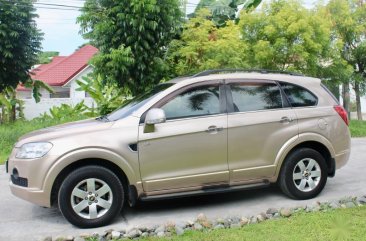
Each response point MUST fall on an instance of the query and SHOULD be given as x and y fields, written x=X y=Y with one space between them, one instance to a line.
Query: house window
x=61 y=94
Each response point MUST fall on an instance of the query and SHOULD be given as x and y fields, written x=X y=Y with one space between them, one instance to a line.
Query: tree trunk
x=358 y=101
x=13 y=114
x=346 y=98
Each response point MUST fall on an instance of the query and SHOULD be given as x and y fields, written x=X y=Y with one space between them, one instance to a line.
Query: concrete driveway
x=20 y=220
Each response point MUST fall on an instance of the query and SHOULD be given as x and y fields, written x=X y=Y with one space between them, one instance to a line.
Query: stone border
x=202 y=222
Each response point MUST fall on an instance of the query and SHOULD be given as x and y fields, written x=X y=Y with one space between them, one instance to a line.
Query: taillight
x=342 y=113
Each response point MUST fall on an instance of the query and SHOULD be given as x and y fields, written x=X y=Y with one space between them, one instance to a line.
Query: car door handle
x=214 y=129
x=286 y=119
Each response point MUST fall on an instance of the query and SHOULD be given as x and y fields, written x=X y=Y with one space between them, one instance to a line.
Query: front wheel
x=304 y=174
x=91 y=196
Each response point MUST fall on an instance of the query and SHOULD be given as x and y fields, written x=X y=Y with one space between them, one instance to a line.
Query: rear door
x=260 y=122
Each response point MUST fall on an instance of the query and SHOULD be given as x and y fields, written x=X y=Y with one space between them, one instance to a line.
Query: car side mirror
x=154 y=116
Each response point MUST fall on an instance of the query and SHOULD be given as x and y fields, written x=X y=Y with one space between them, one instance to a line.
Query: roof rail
x=262 y=71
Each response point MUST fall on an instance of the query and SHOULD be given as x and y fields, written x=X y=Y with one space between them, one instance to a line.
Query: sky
x=61 y=32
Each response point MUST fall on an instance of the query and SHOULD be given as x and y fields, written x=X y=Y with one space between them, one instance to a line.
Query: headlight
x=33 y=150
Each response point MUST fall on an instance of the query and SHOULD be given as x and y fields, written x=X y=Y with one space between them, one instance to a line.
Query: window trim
x=229 y=96
x=170 y=96
x=287 y=98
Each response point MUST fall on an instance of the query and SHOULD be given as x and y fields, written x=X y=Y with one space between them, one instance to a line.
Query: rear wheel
x=91 y=196
x=304 y=174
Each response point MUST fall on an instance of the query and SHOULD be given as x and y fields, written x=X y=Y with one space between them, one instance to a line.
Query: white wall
x=33 y=109
x=74 y=94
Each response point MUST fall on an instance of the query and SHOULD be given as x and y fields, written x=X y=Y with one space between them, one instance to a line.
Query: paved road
x=20 y=220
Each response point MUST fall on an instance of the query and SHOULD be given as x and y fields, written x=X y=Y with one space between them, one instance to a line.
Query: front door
x=259 y=125
x=189 y=150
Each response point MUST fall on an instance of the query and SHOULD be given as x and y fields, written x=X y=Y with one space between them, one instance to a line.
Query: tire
x=88 y=207
x=303 y=174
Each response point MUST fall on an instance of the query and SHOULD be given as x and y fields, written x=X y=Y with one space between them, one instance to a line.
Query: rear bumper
x=342 y=158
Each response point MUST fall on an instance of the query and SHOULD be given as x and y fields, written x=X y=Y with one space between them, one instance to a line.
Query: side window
x=198 y=101
x=299 y=96
x=255 y=96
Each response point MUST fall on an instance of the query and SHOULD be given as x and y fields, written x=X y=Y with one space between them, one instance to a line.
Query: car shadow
x=207 y=201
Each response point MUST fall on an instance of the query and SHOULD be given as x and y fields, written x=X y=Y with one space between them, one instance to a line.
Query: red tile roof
x=63 y=68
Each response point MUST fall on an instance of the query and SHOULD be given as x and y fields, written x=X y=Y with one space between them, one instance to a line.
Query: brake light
x=342 y=113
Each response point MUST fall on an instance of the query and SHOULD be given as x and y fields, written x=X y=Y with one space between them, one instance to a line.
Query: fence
x=33 y=109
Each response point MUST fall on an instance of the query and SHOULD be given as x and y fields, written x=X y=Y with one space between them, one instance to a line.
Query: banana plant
x=107 y=97
x=65 y=111
x=10 y=106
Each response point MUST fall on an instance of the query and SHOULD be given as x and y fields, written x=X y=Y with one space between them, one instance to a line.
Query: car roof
x=296 y=79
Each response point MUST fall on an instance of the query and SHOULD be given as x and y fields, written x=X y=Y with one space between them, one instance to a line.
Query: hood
x=72 y=128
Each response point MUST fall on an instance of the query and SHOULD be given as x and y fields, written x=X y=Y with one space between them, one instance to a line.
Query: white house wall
x=74 y=93
x=33 y=109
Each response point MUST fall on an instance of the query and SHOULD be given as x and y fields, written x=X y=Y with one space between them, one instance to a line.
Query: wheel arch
x=128 y=172
x=308 y=140
x=87 y=162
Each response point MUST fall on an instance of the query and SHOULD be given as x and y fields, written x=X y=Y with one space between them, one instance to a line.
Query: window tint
x=203 y=100
x=298 y=96
x=255 y=96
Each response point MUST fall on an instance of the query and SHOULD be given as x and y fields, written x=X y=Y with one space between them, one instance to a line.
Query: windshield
x=134 y=104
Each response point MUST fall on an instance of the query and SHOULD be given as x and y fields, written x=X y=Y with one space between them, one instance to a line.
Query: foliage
x=10 y=133
x=10 y=105
x=131 y=36
x=224 y=10
x=20 y=42
x=349 y=30
x=107 y=96
x=204 y=46
x=46 y=56
x=284 y=35
x=65 y=112
x=36 y=86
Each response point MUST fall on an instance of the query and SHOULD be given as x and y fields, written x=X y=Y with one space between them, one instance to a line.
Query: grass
x=339 y=224
x=10 y=133
x=357 y=128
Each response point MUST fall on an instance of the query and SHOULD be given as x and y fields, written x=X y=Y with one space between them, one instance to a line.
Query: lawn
x=10 y=133
x=339 y=224
x=358 y=128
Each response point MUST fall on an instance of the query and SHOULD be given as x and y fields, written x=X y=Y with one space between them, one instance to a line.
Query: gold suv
x=216 y=131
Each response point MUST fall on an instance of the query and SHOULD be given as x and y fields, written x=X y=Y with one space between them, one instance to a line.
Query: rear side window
x=255 y=96
x=199 y=101
x=299 y=96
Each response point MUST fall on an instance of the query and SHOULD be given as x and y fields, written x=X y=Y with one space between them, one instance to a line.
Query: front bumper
x=26 y=180
x=29 y=194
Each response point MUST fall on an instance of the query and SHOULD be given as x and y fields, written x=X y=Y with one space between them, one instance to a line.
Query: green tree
x=131 y=36
x=349 y=24
x=284 y=35
x=20 y=42
x=204 y=46
x=46 y=57
x=224 y=10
